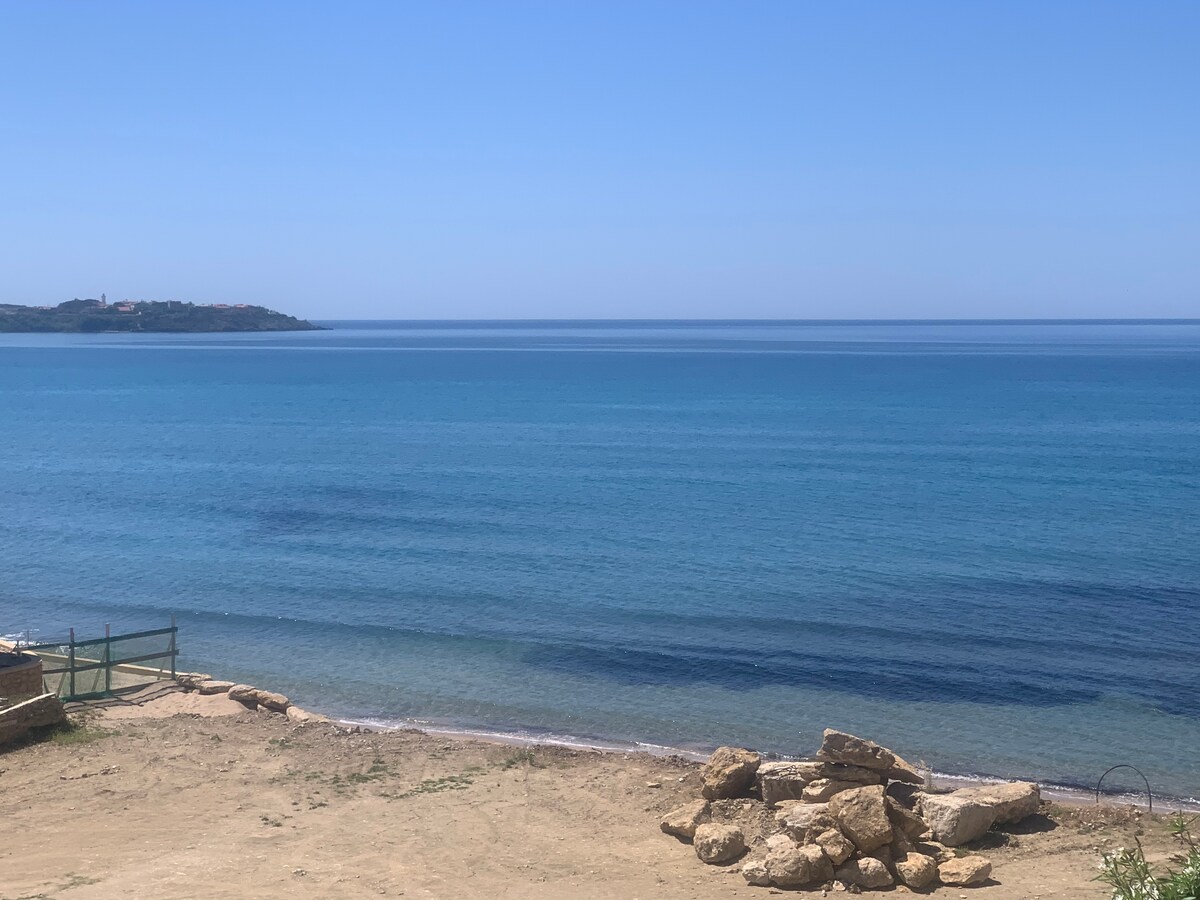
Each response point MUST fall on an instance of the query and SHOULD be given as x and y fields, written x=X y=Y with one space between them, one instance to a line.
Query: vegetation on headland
x=96 y=316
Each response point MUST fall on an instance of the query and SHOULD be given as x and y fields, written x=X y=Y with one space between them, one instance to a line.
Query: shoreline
x=1071 y=795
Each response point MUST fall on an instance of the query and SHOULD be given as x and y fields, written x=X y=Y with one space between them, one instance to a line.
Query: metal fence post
x=107 y=658
x=71 y=665
x=174 y=631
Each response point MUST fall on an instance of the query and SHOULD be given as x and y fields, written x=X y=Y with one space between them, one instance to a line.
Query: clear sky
x=606 y=159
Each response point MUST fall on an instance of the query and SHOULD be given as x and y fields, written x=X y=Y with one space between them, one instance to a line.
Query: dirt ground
x=194 y=797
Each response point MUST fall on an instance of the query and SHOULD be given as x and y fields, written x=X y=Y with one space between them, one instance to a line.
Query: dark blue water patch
x=862 y=677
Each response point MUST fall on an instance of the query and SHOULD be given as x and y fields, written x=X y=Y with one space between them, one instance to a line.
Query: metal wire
x=1145 y=780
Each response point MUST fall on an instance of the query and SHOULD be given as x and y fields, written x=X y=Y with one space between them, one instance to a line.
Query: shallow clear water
x=976 y=542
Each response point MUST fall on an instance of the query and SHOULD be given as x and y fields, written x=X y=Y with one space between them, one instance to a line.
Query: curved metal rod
x=1145 y=780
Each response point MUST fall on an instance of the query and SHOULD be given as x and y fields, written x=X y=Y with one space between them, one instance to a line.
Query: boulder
x=790 y=865
x=1012 y=802
x=939 y=852
x=955 y=820
x=755 y=872
x=916 y=870
x=717 y=844
x=191 y=680
x=729 y=772
x=684 y=820
x=804 y=821
x=963 y=871
x=839 y=747
x=825 y=789
x=244 y=693
x=779 y=781
x=303 y=716
x=861 y=815
x=212 y=686
x=906 y=795
x=907 y=823
x=835 y=845
x=273 y=701
x=867 y=873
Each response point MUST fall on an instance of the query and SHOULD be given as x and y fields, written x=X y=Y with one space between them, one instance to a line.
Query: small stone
x=717 y=844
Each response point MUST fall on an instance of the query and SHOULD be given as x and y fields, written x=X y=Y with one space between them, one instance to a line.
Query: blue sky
x=606 y=159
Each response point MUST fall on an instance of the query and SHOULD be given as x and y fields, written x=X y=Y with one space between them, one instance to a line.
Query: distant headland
x=96 y=316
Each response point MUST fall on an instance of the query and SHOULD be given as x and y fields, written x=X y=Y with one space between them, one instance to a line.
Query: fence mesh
x=76 y=669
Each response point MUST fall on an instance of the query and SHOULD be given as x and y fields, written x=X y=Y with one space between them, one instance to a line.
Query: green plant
x=1130 y=876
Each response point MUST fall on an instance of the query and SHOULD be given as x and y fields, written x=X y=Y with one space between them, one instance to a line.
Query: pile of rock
x=856 y=815
x=250 y=697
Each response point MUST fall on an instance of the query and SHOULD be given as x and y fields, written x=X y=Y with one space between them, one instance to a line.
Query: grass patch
x=521 y=758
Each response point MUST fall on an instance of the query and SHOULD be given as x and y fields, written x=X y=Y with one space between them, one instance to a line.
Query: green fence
x=99 y=667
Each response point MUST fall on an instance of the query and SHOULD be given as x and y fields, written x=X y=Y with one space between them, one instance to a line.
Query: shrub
x=1131 y=878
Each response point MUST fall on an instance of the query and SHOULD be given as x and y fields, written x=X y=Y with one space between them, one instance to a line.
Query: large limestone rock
x=684 y=820
x=835 y=845
x=1012 y=802
x=964 y=871
x=861 y=815
x=904 y=821
x=954 y=819
x=717 y=844
x=839 y=747
x=804 y=821
x=780 y=781
x=273 y=701
x=866 y=873
x=755 y=872
x=244 y=693
x=824 y=789
x=916 y=870
x=729 y=772
x=303 y=716
x=213 y=686
x=790 y=865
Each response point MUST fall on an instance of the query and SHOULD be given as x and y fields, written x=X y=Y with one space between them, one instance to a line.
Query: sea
x=975 y=542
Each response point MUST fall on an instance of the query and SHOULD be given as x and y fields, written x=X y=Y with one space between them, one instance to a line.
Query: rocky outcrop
x=684 y=820
x=861 y=815
x=717 y=844
x=839 y=747
x=729 y=773
x=213 y=686
x=964 y=871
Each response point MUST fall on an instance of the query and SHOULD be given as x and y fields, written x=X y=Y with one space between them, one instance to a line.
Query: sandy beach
x=191 y=796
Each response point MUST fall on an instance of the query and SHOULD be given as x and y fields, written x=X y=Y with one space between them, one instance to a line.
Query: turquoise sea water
x=979 y=543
